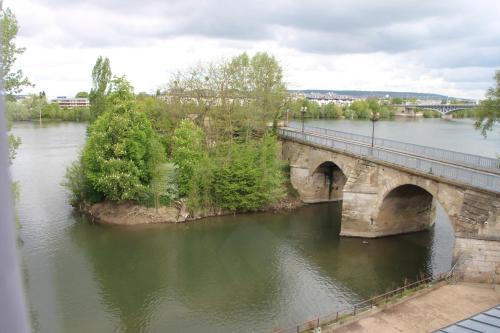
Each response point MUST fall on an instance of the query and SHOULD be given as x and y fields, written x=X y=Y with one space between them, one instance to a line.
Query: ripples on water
x=228 y=274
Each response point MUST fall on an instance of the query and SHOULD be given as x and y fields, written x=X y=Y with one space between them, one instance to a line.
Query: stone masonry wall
x=479 y=260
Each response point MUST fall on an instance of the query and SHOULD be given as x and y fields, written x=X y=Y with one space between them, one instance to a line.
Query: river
x=246 y=273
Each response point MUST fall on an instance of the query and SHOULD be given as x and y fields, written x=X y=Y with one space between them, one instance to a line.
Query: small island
x=206 y=148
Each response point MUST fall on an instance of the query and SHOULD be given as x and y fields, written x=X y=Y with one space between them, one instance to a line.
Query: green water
x=247 y=273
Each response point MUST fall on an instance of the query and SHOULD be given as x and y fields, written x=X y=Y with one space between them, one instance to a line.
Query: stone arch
x=328 y=180
x=406 y=208
x=409 y=206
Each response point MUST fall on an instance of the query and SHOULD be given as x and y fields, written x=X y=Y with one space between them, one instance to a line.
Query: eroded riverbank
x=129 y=214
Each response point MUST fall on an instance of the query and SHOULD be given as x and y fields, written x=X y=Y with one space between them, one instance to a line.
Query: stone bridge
x=385 y=195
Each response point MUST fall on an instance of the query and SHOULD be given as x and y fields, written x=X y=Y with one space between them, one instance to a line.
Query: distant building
x=70 y=103
x=328 y=98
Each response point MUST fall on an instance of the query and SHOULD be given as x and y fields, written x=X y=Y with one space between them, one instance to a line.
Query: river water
x=247 y=273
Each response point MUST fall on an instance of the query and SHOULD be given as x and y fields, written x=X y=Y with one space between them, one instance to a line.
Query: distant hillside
x=382 y=94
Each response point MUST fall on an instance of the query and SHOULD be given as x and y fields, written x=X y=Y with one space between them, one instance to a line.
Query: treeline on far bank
x=35 y=107
x=360 y=109
x=207 y=144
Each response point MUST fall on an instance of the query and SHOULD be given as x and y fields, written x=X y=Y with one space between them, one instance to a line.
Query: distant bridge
x=392 y=187
x=443 y=109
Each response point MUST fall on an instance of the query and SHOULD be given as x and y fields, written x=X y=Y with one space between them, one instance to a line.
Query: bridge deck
x=477 y=162
x=459 y=172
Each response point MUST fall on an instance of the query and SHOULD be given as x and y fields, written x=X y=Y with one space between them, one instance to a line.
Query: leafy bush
x=77 y=183
x=251 y=177
x=164 y=188
x=121 y=154
x=200 y=195
x=187 y=151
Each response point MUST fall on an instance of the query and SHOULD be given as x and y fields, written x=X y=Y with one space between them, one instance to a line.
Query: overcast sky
x=443 y=46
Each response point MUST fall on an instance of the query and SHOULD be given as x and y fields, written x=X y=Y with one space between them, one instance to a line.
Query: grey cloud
x=450 y=33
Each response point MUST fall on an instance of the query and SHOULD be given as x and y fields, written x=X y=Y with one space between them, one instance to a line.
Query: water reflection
x=225 y=273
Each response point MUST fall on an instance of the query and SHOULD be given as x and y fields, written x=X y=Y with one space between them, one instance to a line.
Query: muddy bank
x=132 y=214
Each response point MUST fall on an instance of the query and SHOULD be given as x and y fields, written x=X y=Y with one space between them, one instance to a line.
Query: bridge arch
x=410 y=206
x=406 y=208
x=328 y=180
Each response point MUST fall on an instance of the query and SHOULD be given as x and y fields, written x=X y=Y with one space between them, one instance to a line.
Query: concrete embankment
x=426 y=311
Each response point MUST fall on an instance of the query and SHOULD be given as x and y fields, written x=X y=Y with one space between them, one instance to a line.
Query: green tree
x=396 y=100
x=251 y=177
x=122 y=152
x=360 y=109
x=121 y=93
x=79 y=186
x=101 y=77
x=82 y=94
x=267 y=82
x=331 y=110
x=164 y=185
x=187 y=152
x=488 y=112
x=14 y=141
x=13 y=80
x=234 y=99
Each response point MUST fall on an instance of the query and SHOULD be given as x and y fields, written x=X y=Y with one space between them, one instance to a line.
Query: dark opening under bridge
x=393 y=188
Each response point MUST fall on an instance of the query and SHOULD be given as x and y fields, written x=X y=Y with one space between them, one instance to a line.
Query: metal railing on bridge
x=464 y=175
x=471 y=160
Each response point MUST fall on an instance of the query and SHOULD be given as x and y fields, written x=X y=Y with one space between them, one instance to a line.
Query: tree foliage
x=101 y=77
x=13 y=80
x=121 y=154
x=488 y=112
x=187 y=152
x=361 y=109
x=233 y=98
x=122 y=151
x=82 y=94
x=164 y=186
x=79 y=186
x=14 y=141
x=250 y=177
